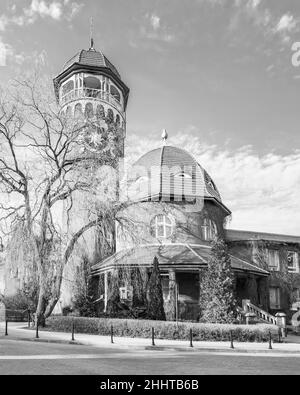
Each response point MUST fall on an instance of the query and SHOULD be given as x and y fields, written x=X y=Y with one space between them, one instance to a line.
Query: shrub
x=163 y=329
x=216 y=287
x=155 y=295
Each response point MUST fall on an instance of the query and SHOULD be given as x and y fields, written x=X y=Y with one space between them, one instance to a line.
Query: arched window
x=162 y=226
x=68 y=112
x=209 y=229
x=110 y=116
x=89 y=110
x=118 y=119
x=78 y=110
x=100 y=113
x=115 y=93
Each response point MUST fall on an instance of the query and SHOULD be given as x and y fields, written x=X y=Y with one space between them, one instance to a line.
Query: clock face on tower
x=96 y=137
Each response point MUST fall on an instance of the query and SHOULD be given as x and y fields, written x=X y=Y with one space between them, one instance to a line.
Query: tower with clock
x=90 y=86
x=90 y=89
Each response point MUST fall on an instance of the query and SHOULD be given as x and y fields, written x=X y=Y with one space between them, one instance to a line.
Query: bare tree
x=42 y=164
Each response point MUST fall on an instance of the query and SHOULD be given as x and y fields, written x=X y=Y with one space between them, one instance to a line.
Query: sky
x=217 y=74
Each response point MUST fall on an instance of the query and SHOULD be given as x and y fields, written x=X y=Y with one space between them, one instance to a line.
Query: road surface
x=27 y=358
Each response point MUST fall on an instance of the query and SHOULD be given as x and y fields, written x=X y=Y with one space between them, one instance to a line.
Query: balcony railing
x=86 y=93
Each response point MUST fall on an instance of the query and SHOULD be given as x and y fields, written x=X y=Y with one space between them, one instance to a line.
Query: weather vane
x=91 y=33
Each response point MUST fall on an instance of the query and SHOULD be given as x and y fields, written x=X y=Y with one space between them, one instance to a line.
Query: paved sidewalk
x=18 y=331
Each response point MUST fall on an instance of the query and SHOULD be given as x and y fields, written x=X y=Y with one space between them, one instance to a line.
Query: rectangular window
x=296 y=294
x=293 y=262
x=126 y=293
x=275 y=298
x=273 y=260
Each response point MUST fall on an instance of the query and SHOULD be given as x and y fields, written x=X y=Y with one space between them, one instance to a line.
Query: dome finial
x=91 y=35
x=164 y=136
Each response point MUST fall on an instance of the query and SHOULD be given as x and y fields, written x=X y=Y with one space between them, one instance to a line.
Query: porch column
x=105 y=291
x=263 y=293
x=173 y=295
x=251 y=289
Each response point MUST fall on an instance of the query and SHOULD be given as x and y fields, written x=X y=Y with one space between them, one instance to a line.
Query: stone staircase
x=251 y=311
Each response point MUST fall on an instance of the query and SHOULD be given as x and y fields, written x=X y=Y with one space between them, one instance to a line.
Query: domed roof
x=92 y=58
x=171 y=172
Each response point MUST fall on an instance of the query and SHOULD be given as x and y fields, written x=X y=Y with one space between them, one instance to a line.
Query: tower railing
x=89 y=93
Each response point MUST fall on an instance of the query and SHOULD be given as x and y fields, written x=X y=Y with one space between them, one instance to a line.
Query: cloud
x=155 y=22
x=55 y=10
x=261 y=191
x=42 y=9
x=5 y=50
x=265 y=19
x=286 y=23
x=153 y=29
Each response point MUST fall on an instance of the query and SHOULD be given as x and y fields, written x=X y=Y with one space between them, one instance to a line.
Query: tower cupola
x=89 y=85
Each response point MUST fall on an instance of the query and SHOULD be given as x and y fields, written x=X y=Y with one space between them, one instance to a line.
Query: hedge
x=163 y=329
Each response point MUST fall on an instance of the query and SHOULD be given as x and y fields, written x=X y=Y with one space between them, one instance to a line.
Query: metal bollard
x=111 y=334
x=153 y=335
x=73 y=330
x=28 y=316
x=6 y=323
x=231 y=340
x=37 y=330
x=270 y=341
x=191 y=338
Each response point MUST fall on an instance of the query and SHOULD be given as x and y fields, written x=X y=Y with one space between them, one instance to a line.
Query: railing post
x=270 y=341
x=279 y=335
x=73 y=330
x=28 y=313
x=37 y=329
x=191 y=337
x=153 y=336
x=231 y=340
x=6 y=324
x=111 y=334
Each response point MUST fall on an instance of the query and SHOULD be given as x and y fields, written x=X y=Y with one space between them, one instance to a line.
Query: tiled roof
x=181 y=256
x=91 y=58
x=161 y=166
x=239 y=235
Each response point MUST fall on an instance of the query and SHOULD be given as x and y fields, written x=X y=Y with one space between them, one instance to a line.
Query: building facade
x=171 y=209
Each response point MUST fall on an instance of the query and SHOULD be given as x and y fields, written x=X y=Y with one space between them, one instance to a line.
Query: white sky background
x=217 y=74
x=261 y=191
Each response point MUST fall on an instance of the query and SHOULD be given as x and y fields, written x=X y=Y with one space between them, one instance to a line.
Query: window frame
x=209 y=229
x=156 y=225
x=274 y=268
x=295 y=268
x=277 y=295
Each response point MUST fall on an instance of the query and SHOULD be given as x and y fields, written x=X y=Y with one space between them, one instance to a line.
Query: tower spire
x=91 y=34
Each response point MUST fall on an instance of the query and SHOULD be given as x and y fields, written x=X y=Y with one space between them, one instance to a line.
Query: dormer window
x=212 y=185
x=162 y=226
x=183 y=175
x=209 y=230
